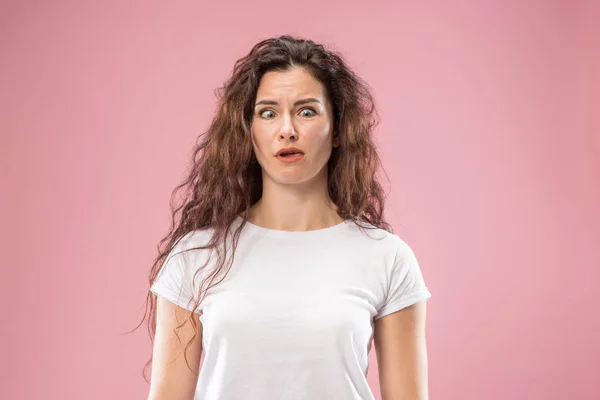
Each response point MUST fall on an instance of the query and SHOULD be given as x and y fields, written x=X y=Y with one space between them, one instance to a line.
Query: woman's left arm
x=402 y=354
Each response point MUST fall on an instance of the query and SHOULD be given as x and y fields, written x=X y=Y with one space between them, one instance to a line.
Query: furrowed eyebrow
x=297 y=103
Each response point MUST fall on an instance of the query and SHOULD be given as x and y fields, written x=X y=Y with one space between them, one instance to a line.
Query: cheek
x=259 y=143
x=321 y=131
x=256 y=139
x=322 y=135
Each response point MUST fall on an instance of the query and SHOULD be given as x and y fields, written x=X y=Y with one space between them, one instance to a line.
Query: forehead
x=295 y=82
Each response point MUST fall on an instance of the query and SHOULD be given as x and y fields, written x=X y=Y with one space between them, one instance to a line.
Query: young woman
x=281 y=270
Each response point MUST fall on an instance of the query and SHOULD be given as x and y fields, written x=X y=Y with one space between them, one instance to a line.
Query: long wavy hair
x=225 y=179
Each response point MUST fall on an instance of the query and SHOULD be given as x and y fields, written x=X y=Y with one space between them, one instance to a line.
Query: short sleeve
x=174 y=281
x=406 y=285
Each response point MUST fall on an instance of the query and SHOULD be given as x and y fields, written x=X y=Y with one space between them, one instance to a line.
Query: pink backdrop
x=490 y=135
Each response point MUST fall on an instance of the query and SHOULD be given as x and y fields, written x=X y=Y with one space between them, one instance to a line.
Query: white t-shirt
x=293 y=319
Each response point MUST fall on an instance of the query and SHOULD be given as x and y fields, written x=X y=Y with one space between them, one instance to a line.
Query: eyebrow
x=297 y=103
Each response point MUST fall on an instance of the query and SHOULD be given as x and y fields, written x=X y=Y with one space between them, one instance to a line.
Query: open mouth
x=290 y=153
x=290 y=157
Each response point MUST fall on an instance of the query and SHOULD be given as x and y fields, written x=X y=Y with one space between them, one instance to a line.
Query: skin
x=401 y=350
x=295 y=198
x=171 y=378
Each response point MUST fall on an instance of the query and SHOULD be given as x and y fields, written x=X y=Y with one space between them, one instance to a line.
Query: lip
x=291 y=159
x=288 y=149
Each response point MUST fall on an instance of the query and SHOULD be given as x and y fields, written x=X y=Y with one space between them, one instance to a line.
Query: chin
x=290 y=179
x=287 y=177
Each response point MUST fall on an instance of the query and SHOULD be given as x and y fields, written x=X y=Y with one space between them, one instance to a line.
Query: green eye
x=311 y=111
x=262 y=113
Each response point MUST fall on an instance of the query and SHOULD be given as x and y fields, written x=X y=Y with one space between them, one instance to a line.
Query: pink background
x=490 y=134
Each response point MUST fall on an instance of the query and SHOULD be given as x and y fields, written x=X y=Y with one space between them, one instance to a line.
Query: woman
x=281 y=269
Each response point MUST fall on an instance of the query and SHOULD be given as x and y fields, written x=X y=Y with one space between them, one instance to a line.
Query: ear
x=336 y=140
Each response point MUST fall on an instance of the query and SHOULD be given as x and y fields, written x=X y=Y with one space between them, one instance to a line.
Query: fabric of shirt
x=293 y=318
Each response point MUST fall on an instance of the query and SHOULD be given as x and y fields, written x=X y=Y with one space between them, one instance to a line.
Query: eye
x=262 y=113
x=311 y=111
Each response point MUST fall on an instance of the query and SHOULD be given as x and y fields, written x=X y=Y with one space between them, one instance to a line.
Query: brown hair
x=225 y=178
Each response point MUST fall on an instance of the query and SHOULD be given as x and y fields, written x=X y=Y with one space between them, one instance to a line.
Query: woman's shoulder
x=381 y=238
x=369 y=231
x=194 y=238
x=191 y=245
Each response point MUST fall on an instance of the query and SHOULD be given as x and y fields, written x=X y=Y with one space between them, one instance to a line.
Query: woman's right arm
x=171 y=378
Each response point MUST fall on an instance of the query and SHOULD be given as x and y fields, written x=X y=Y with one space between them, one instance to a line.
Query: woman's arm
x=402 y=354
x=171 y=378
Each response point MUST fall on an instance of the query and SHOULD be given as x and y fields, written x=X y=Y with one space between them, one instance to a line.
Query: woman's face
x=291 y=110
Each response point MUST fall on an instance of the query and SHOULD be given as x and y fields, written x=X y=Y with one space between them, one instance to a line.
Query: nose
x=287 y=130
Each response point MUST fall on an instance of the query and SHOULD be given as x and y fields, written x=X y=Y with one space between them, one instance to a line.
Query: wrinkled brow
x=297 y=103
